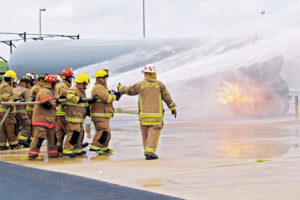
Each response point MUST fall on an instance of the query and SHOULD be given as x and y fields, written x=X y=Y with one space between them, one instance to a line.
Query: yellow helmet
x=82 y=78
x=10 y=74
x=102 y=73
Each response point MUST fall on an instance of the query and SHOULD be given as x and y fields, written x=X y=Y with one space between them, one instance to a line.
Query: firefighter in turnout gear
x=75 y=115
x=21 y=93
x=101 y=112
x=61 y=93
x=33 y=92
x=150 y=93
x=43 y=119
x=7 y=132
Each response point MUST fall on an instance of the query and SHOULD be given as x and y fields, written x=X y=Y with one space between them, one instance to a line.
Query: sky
x=122 y=19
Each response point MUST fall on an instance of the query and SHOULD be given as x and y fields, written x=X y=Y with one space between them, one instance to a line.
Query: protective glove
x=119 y=87
x=88 y=111
x=94 y=99
x=57 y=101
x=118 y=94
x=80 y=100
x=174 y=112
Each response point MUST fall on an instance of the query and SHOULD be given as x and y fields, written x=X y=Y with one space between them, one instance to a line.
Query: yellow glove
x=119 y=87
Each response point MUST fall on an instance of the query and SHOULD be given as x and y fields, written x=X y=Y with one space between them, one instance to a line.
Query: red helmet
x=67 y=72
x=50 y=78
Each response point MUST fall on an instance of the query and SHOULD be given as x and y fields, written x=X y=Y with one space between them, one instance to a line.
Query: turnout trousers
x=73 y=141
x=30 y=112
x=24 y=121
x=150 y=134
x=7 y=132
x=102 y=136
x=40 y=134
x=61 y=131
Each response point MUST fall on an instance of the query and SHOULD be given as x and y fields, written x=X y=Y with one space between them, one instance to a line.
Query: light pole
x=144 y=28
x=40 y=15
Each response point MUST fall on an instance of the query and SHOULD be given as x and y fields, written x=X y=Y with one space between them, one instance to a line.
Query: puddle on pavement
x=152 y=183
x=197 y=143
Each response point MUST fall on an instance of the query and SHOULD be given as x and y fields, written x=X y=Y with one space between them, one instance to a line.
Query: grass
x=121 y=110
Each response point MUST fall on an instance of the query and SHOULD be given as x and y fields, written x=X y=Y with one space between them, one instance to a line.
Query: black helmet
x=41 y=77
x=27 y=79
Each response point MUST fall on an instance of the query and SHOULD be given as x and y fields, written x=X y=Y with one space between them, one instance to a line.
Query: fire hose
x=18 y=103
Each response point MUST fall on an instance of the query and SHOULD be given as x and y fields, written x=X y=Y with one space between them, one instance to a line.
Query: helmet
x=50 y=78
x=41 y=77
x=150 y=68
x=82 y=78
x=102 y=73
x=31 y=75
x=26 y=79
x=67 y=72
x=10 y=74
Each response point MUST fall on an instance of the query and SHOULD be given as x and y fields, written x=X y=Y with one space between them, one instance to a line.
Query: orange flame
x=232 y=93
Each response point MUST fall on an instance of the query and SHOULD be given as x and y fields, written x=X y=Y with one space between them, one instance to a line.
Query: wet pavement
x=195 y=157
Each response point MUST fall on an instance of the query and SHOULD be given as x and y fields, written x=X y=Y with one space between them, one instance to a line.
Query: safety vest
x=75 y=112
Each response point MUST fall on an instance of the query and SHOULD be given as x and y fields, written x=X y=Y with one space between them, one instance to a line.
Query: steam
x=262 y=68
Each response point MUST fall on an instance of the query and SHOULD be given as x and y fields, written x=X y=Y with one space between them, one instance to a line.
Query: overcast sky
x=122 y=19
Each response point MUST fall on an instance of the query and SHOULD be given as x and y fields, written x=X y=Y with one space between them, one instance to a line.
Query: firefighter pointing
x=150 y=93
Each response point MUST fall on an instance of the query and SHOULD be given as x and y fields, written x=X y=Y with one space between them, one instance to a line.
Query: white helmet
x=149 y=68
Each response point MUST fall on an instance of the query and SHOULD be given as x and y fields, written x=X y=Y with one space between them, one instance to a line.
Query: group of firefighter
x=60 y=111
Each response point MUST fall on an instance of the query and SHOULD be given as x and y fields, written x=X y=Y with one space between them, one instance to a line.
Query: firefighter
x=150 y=93
x=61 y=93
x=75 y=116
x=21 y=93
x=8 y=129
x=33 y=92
x=43 y=119
x=101 y=112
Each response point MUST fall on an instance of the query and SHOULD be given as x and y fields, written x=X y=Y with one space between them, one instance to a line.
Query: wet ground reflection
x=189 y=140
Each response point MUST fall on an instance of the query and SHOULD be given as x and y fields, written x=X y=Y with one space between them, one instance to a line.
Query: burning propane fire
x=232 y=93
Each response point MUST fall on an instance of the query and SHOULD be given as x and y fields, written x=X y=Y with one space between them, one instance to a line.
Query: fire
x=232 y=93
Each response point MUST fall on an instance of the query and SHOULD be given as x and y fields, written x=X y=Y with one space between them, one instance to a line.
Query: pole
x=296 y=106
x=40 y=21
x=144 y=27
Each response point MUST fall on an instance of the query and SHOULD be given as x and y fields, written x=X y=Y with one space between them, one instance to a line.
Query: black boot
x=81 y=153
x=72 y=155
x=4 y=148
x=151 y=157
x=85 y=144
x=18 y=146
x=24 y=143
